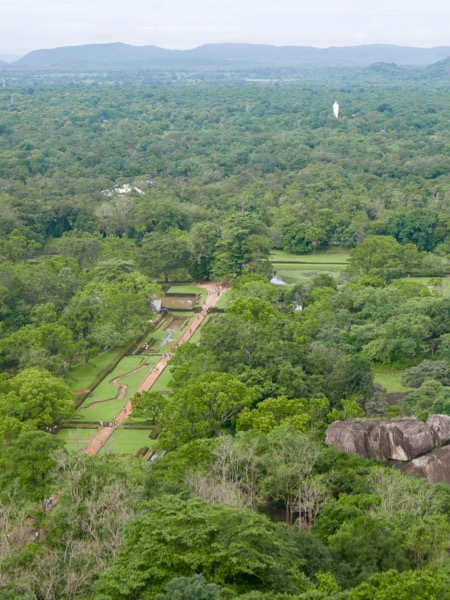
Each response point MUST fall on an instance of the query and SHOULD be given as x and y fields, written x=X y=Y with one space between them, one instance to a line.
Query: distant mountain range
x=231 y=55
x=9 y=58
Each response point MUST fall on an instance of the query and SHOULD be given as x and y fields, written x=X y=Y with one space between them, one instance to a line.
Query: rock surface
x=407 y=440
x=388 y=439
x=440 y=427
x=352 y=436
x=404 y=439
x=435 y=466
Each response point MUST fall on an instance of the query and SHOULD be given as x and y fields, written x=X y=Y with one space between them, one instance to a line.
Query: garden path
x=214 y=289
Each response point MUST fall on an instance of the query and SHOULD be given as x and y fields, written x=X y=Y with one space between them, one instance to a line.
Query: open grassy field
x=389 y=379
x=295 y=268
x=128 y=441
x=319 y=257
x=295 y=273
x=76 y=439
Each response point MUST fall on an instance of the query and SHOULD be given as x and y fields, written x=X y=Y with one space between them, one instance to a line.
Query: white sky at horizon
x=27 y=25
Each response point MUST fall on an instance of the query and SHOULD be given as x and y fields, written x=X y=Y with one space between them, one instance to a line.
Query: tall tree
x=163 y=254
x=33 y=399
x=202 y=407
x=178 y=538
x=243 y=245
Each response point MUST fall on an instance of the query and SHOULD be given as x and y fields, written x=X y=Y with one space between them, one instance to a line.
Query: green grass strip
x=128 y=441
x=82 y=375
x=389 y=379
x=76 y=439
x=319 y=257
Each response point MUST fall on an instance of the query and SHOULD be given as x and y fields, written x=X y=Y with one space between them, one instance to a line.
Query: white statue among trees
x=336 y=109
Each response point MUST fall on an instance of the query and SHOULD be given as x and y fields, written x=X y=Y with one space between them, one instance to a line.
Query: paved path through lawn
x=215 y=289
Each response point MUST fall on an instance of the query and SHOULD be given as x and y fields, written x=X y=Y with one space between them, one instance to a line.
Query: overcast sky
x=32 y=24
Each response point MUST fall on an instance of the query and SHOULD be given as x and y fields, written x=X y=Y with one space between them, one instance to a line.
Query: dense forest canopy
x=111 y=187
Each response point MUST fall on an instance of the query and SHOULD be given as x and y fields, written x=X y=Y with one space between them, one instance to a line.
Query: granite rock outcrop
x=440 y=427
x=435 y=466
x=386 y=439
x=422 y=447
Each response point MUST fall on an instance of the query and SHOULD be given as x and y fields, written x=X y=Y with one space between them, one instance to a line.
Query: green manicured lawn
x=185 y=289
x=319 y=257
x=135 y=380
x=223 y=299
x=109 y=410
x=128 y=441
x=389 y=379
x=83 y=375
x=106 y=411
x=197 y=335
x=76 y=439
x=161 y=384
x=324 y=267
x=160 y=334
x=294 y=273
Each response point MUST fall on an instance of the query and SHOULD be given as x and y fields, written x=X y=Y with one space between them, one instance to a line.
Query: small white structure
x=156 y=305
x=336 y=109
x=125 y=189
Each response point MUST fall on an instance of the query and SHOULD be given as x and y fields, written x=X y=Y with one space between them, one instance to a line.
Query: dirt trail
x=214 y=289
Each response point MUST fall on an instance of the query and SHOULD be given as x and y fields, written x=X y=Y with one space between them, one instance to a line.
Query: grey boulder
x=388 y=439
x=440 y=427
x=435 y=466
